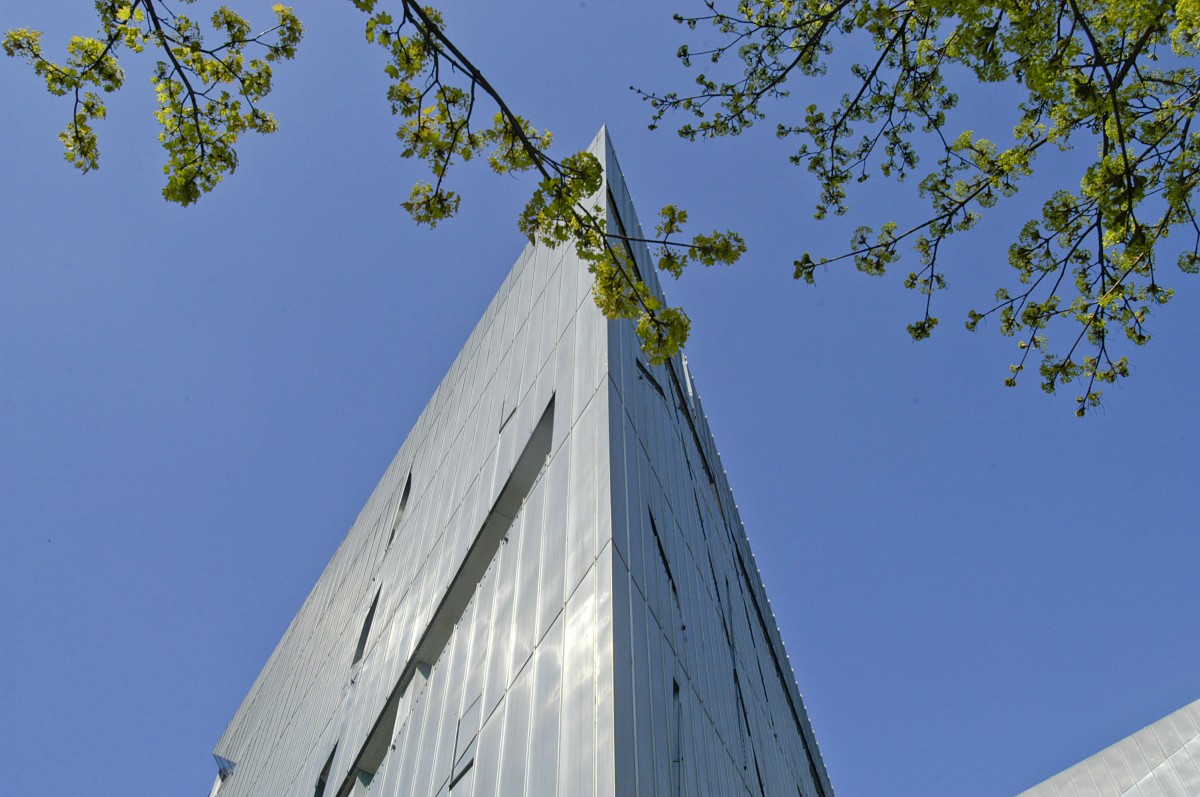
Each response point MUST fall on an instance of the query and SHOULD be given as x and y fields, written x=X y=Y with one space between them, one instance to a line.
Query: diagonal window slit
x=324 y=776
x=458 y=596
x=399 y=516
x=364 y=635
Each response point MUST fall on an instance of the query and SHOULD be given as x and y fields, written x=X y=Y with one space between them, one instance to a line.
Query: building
x=1160 y=760
x=549 y=591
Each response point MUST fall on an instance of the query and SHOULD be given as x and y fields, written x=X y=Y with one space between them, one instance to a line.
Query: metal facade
x=549 y=591
x=1160 y=760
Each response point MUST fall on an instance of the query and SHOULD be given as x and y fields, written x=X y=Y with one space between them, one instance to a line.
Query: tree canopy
x=208 y=94
x=1113 y=75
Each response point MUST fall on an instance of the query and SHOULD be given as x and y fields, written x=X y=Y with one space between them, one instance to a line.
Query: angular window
x=612 y=208
x=399 y=511
x=677 y=744
x=465 y=741
x=323 y=778
x=662 y=556
x=362 y=780
x=506 y=415
x=649 y=377
x=224 y=770
x=379 y=742
x=365 y=634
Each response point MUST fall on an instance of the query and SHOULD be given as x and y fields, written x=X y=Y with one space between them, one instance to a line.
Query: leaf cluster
x=208 y=92
x=436 y=90
x=1115 y=74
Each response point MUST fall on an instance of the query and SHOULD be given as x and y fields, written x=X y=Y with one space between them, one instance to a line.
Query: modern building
x=1160 y=760
x=549 y=591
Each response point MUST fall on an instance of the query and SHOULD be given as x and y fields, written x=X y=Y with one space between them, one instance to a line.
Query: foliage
x=1115 y=73
x=434 y=89
x=201 y=117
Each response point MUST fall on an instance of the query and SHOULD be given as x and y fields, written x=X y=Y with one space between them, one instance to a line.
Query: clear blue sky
x=976 y=588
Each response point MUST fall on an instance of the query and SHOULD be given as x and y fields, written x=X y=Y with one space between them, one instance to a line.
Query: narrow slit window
x=699 y=512
x=506 y=415
x=691 y=423
x=399 y=511
x=323 y=778
x=624 y=235
x=365 y=634
x=662 y=555
x=677 y=751
x=649 y=377
x=465 y=741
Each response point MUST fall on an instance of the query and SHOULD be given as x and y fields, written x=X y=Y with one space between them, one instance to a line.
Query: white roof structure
x=1160 y=760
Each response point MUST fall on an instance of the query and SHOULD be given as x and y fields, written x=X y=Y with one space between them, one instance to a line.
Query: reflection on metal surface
x=549 y=592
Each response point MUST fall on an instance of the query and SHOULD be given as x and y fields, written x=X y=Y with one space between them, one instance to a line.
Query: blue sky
x=976 y=588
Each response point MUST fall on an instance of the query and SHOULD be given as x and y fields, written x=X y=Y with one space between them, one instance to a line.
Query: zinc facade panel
x=597 y=651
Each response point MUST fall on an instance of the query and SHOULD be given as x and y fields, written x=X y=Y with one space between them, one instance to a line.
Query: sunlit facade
x=549 y=591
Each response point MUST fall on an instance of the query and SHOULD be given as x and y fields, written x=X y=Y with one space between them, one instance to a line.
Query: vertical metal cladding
x=549 y=591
